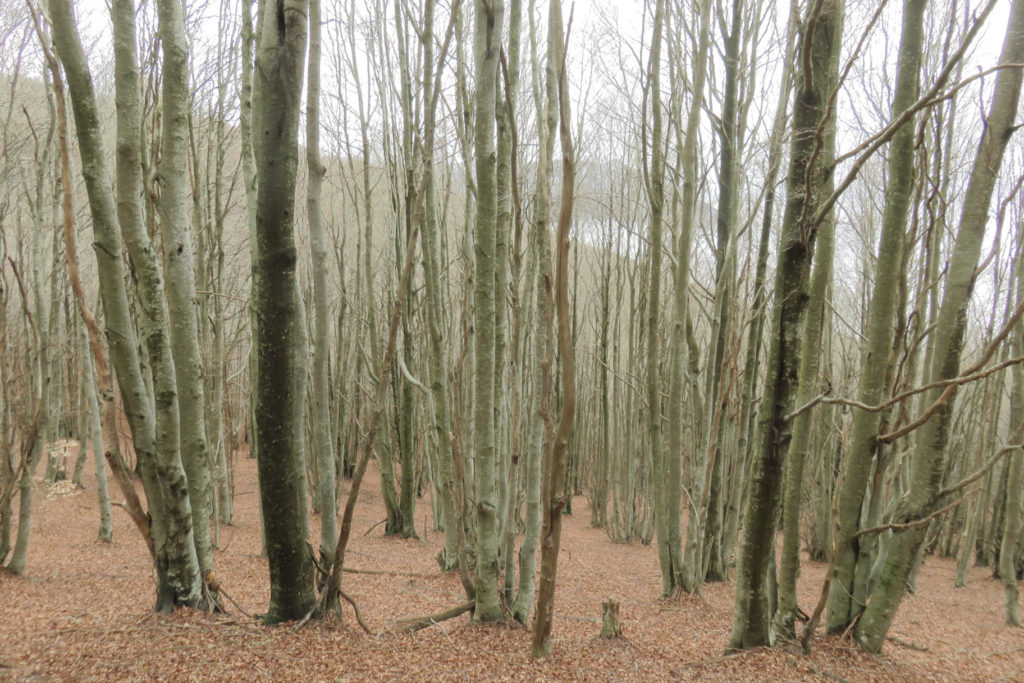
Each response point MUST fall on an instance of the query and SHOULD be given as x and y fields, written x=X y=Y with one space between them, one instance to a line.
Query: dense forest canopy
x=746 y=274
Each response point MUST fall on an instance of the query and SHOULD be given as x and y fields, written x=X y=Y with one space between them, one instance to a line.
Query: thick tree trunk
x=178 y=576
x=821 y=38
x=487 y=32
x=279 y=387
x=809 y=384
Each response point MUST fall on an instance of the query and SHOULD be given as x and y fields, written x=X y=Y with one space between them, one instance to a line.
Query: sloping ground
x=81 y=611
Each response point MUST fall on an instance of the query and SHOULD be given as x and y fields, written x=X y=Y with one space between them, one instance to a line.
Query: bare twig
x=908 y=525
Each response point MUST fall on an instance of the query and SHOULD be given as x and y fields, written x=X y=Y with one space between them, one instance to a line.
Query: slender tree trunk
x=448 y=556
x=688 y=574
x=172 y=178
x=876 y=363
x=322 y=445
x=555 y=496
x=1015 y=477
x=95 y=432
x=928 y=460
x=668 y=549
x=538 y=278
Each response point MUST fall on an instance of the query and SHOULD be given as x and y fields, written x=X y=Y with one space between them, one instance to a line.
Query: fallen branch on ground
x=907 y=644
x=419 y=623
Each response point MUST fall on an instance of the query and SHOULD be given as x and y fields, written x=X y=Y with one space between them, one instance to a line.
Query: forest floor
x=81 y=611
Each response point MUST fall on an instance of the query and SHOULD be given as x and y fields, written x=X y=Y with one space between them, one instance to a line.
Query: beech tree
x=170 y=528
x=812 y=111
x=487 y=30
x=277 y=89
x=925 y=494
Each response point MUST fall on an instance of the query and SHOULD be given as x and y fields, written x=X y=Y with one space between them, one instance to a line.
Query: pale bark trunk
x=487 y=32
x=448 y=556
x=179 y=580
x=172 y=177
x=322 y=446
x=687 y=574
x=1015 y=476
x=668 y=549
x=537 y=278
x=875 y=364
x=928 y=460
x=506 y=459
x=95 y=431
x=555 y=496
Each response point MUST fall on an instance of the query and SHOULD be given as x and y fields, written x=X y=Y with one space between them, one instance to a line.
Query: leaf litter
x=82 y=611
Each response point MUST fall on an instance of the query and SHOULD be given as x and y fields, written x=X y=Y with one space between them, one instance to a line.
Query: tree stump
x=610 y=626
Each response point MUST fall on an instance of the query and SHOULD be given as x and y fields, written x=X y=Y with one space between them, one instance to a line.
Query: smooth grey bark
x=688 y=575
x=180 y=286
x=928 y=460
x=668 y=547
x=507 y=460
x=279 y=387
x=822 y=32
x=729 y=133
x=405 y=520
x=555 y=496
x=487 y=30
x=178 y=576
x=323 y=450
x=448 y=556
x=248 y=163
x=843 y=606
x=1015 y=476
x=95 y=432
x=154 y=325
x=540 y=360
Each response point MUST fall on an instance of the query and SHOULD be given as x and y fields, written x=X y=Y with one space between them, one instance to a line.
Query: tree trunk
x=928 y=460
x=486 y=46
x=812 y=108
x=172 y=179
x=876 y=363
x=1015 y=477
x=688 y=577
x=554 y=498
x=322 y=445
x=279 y=387
x=448 y=556
x=178 y=576
x=668 y=546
